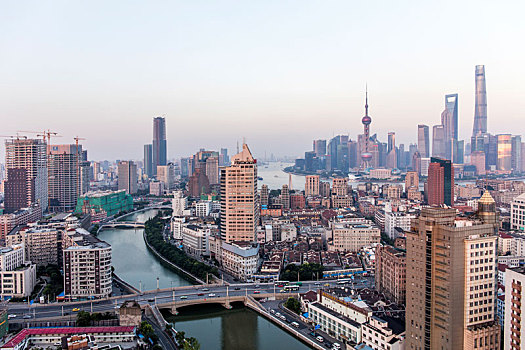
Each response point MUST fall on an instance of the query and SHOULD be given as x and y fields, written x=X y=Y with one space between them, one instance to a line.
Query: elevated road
x=169 y=298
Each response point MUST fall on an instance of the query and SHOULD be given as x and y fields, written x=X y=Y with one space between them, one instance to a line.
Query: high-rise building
x=390 y=273
x=26 y=166
x=311 y=186
x=239 y=204
x=285 y=197
x=64 y=176
x=438 y=141
x=264 y=195
x=411 y=180
x=504 y=152
x=440 y=183
x=480 y=112
x=212 y=170
x=391 y=157
x=166 y=175
x=127 y=176
x=319 y=147
x=148 y=160
x=159 y=153
x=516 y=164
x=423 y=143
x=477 y=158
x=451 y=280
x=450 y=124
x=514 y=308
x=224 y=160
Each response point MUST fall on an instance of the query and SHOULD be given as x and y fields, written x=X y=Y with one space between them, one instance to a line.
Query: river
x=212 y=325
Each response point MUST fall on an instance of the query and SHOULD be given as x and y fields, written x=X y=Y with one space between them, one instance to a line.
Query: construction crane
x=76 y=138
x=46 y=134
x=13 y=136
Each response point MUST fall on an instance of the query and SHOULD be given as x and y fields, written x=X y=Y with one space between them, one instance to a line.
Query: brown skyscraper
x=451 y=280
x=239 y=204
x=440 y=183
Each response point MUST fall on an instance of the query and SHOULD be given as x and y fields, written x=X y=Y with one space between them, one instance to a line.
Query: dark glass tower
x=148 y=160
x=159 y=143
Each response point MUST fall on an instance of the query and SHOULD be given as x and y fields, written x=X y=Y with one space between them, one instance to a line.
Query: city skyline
x=204 y=72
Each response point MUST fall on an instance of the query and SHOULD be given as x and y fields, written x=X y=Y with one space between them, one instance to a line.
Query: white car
x=319 y=339
x=211 y=294
x=11 y=316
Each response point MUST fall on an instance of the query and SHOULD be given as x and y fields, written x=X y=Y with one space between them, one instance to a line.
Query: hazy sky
x=279 y=73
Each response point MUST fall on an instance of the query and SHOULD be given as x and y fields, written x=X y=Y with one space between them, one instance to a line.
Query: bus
x=281 y=283
x=291 y=288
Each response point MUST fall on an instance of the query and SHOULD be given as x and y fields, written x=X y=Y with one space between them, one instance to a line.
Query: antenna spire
x=366 y=99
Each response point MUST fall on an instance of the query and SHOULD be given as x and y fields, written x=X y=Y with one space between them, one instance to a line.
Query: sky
x=277 y=73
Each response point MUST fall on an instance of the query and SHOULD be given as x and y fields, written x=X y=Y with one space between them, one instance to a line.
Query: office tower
x=309 y=160
x=64 y=176
x=353 y=156
x=450 y=289
x=516 y=165
x=477 y=158
x=212 y=170
x=319 y=147
x=166 y=175
x=450 y=123
x=265 y=196
x=159 y=146
x=148 y=160
x=311 y=186
x=198 y=183
x=504 y=152
x=185 y=167
x=438 y=141
x=285 y=197
x=458 y=151
x=391 y=157
x=332 y=152
x=366 y=155
x=440 y=183
x=416 y=162
x=26 y=166
x=480 y=112
x=523 y=156
x=127 y=176
x=239 y=205
x=224 y=160
x=423 y=143
x=401 y=157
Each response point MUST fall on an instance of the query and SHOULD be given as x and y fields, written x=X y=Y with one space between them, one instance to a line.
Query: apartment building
x=241 y=259
x=390 y=273
x=42 y=244
x=517 y=213
x=311 y=186
x=350 y=236
x=17 y=276
x=87 y=266
x=195 y=239
x=514 y=309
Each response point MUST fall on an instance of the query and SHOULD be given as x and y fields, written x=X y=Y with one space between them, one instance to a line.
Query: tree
x=179 y=337
x=146 y=330
x=157 y=347
x=83 y=319
x=293 y=304
x=191 y=344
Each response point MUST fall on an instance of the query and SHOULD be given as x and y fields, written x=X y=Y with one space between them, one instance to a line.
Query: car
x=336 y=346
x=183 y=297
x=205 y=289
x=280 y=285
x=11 y=316
x=256 y=292
x=27 y=316
x=200 y=294
x=211 y=294
x=278 y=314
x=237 y=288
x=317 y=283
x=282 y=291
x=257 y=286
x=327 y=284
x=282 y=317
x=272 y=311
x=319 y=339
x=76 y=309
x=151 y=300
x=295 y=324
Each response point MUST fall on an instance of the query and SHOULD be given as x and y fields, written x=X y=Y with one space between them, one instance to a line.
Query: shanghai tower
x=159 y=143
x=480 y=113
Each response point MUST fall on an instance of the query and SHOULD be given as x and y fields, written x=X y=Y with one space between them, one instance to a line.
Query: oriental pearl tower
x=366 y=156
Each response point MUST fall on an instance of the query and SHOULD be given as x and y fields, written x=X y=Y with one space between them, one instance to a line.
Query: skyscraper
x=423 y=145
x=239 y=204
x=26 y=166
x=450 y=123
x=311 y=186
x=127 y=176
x=438 y=141
x=319 y=147
x=440 y=183
x=391 y=156
x=516 y=156
x=450 y=289
x=148 y=160
x=159 y=153
x=285 y=197
x=63 y=176
x=480 y=112
x=504 y=152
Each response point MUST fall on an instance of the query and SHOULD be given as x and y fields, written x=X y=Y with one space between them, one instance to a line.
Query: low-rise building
x=17 y=275
x=195 y=239
x=350 y=237
x=380 y=334
x=241 y=259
